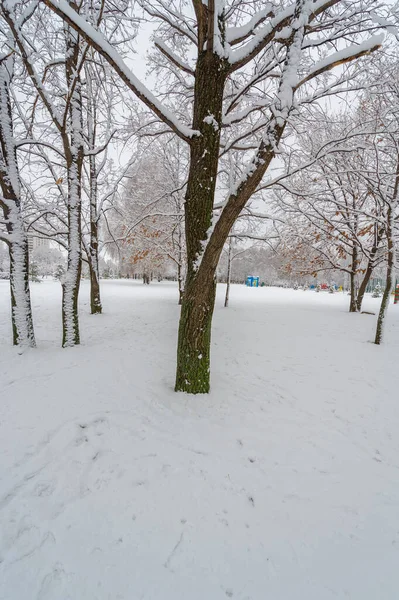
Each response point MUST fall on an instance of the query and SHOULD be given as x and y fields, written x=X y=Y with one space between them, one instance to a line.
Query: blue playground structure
x=252 y=281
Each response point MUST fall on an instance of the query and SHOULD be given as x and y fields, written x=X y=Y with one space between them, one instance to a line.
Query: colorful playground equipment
x=252 y=281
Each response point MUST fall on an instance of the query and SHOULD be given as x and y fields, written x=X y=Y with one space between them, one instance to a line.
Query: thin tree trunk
x=71 y=280
x=369 y=270
x=226 y=299
x=353 y=305
x=95 y=297
x=389 y=276
x=73 y=147
x=180 y=282
x=21 y=311
x=180 y=270
x=363 y=286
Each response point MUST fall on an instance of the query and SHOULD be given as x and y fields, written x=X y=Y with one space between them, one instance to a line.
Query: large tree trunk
x=204 y=241
x=73 y=147
x=21 y=311
x=193 y=350
x=390 y=272
x=193 y=358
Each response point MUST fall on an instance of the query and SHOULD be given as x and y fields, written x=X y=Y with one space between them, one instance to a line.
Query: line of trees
x=238 y=83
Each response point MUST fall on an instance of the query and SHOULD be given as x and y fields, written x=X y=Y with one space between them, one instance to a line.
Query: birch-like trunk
x=180 y=281
x=389 y=274
x=226 y=299
x=353 y=305
x=95 y=298
x=21 y=311
x=73 y=147
x=180 y=268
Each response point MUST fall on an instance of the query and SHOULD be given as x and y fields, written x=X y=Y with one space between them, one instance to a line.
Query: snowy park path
x=282 y=484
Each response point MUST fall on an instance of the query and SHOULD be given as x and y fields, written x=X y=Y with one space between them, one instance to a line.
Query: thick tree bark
x=195 y=339
x=193 y=351
x=21 y=311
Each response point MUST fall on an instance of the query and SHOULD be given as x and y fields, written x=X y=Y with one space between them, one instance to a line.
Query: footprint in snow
x=53 y=585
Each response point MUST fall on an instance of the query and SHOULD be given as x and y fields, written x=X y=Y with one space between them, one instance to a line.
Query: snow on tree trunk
x=180 y=281
x=95 y=298
x=226 y=299
x=217 y=59
x=92 y=255
x=181 y=274
x=71 y=279
x=369 y=269
x=352 y=305
x=390 y=271
x=193 y=351
x=21 y=312
x=73 y=147
x=204 y=240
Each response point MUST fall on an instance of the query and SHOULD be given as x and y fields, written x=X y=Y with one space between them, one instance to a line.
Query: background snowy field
x=282 y=484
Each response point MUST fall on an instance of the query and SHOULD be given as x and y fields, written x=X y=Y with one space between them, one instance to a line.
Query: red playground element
x=396 y=299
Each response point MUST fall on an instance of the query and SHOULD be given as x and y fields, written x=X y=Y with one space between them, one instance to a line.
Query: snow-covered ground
x=282 y=484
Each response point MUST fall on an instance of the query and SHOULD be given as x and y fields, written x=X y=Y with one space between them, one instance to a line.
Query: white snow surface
x=281 y=484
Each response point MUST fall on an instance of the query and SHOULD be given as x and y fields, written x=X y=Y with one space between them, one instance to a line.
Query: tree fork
x=369 y=270
x=193 y=348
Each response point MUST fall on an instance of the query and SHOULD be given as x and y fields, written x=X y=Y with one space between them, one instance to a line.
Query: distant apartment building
x=35 y=241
